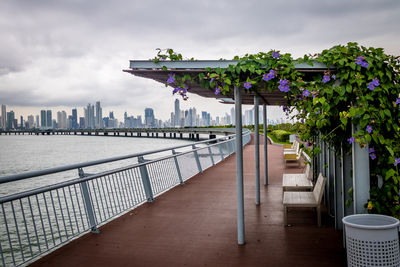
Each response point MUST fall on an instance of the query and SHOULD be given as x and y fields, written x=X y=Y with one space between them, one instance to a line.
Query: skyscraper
x=89 y=117
x=49 y=119
x=37 y=122
x=177 y=113
x=3 y=116
x=149 y=117
x=43 y=121
x=10 y=120
x=99 y=116
x=31 y=121
x=74 y=119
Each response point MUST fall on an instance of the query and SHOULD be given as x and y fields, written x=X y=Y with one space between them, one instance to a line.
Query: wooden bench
x=293 y=148
x=292 y=157
x=305 y=199
x=297 y=181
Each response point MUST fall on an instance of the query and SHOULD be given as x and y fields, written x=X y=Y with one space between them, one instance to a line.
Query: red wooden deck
x=195 y=225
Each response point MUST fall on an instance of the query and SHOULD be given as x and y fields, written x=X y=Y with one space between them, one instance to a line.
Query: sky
x=68 y=53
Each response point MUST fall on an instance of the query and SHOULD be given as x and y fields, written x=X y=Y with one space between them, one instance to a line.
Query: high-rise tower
x=177 y=118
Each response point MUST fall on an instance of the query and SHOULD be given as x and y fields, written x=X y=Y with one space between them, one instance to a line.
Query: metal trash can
x=372 y=240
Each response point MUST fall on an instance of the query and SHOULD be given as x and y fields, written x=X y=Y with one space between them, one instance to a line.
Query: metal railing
x=36 y=221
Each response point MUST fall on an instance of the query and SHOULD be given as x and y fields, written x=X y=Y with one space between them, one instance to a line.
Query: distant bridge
x=182 y=133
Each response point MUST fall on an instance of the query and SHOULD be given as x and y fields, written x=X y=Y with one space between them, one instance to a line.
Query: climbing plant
x=356 y=100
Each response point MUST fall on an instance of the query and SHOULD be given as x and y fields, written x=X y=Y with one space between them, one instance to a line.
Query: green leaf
x=389 y=174
x=390 y=150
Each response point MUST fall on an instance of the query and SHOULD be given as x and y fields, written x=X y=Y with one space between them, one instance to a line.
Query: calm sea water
x=23 y=153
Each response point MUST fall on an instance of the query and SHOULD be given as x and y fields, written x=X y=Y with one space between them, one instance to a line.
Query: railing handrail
x=31 y=174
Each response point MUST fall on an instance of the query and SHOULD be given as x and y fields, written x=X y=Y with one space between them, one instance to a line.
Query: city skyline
x=93 y=119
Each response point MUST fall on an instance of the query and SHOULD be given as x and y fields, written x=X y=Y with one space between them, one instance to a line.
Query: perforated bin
x=372 y=240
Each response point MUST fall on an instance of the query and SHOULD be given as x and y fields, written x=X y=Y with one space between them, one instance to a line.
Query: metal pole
x=361 y=180
x=257 y=147
x=265 y=145
x=239 y=166
x=88 y=203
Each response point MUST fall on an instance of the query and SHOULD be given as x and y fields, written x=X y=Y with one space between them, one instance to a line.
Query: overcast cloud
x=70 y=53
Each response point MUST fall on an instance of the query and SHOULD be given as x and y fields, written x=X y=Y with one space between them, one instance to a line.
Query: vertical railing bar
x=167 y=172
x=8 y=234
x=196 y=157
x=178 y=170
x=73 y=209
x=17 y=229
x=26 y=227
x=114 y=206
x=68 y=212
x=48 y=217
x=62 y=214
x=80 y=208
x=88 y=202
x=121 y=190
x=129 y=192
x=124 y=189
x=42 y=222
x=2 y=256
x=34 y=224
x=116 y=195
x=101 y=200
x=211 y=156
x=102 y=181
x=140 y=185
x=172 y=171
x=162 y=177
x=55 y=216
x=137 y=187
x=94 y=189
x=106 y=179
x=134 y=190
x=220 y=151
x=150 y=173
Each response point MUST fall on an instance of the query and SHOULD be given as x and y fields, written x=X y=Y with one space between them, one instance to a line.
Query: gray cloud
x=72 y=52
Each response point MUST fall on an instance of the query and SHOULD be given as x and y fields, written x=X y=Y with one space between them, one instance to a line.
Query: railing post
x=146 y=180
x=220 y=152
x=257 y=147
x=178 y=170
x=265 y=144
x=211 y=156
x=88 y=203
x=196 y=156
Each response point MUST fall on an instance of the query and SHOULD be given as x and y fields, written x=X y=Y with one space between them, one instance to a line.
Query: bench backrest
x=319 y=188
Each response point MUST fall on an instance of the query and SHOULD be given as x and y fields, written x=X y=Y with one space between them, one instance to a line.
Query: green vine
x=359 y=94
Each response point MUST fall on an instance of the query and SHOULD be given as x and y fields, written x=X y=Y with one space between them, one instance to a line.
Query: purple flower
x=275 y=55
x=375 y=82
x=326 y=79
x=397 y=101
x=351 y=140
x=176 y=90
x=396 y=161
x=371 y=150
x=360 y=61
x=284 y=87
x=369 y=128
x=217 y=90
x=371 y=86
x=171 y=78
x=334 y=76
x=247 y=85
x=283 y=82
x=212 y=79
x=373 y=156
x=302 y=120
x=269 y=76
x=307 y=145
x=306 y=93
x=364 y=64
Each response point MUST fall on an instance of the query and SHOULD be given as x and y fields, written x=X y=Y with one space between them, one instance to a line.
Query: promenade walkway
x=195 y=225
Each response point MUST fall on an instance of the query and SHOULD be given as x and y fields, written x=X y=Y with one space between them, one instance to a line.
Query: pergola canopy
x=151 y=70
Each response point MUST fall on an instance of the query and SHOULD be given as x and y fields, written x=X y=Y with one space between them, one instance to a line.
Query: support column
x=257 y=147
x=239 y=166
x=361 y=181
x=265 y=145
